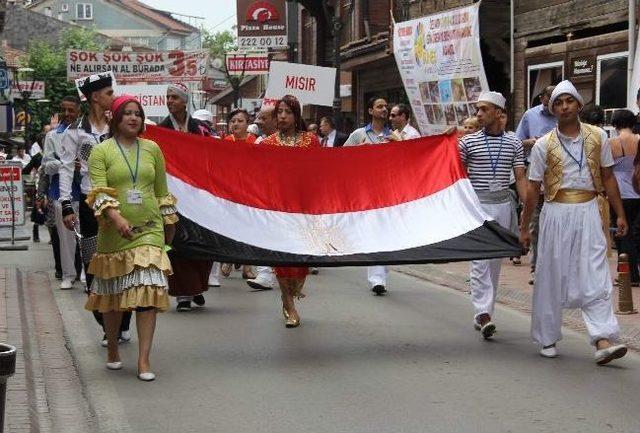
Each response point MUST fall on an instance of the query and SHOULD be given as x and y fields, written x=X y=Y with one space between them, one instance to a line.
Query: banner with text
x=34 y=89
x=262 y=24
x=152 y=97
x=247 y=63
x=440 y=63
x=11 y=194
x=159 y=66
x=310 y=84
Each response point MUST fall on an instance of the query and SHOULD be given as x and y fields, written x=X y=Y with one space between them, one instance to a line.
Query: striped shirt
x=490 y=158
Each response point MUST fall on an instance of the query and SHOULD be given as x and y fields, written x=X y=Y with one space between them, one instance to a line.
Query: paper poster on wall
x=440 y=63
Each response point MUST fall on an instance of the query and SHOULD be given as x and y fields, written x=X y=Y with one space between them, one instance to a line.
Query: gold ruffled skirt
x=129 y=300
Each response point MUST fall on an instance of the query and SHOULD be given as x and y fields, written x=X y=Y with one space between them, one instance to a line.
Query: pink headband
x=121 y=100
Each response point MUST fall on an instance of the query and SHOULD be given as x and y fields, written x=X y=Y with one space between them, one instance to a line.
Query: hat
x=121 y=100
x=203 y=115
x=95 y=82
x=179 y=89
x=565 y=87
x=494 y=98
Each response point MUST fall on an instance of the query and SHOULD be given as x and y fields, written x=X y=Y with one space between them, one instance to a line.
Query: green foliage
x=219 y=43
x=49 y=62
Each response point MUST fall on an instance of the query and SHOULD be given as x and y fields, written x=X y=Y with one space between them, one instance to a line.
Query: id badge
x=134 y=196
x=495 y=186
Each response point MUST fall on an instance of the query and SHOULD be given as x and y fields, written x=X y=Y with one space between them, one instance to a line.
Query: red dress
x=305 y=139
x=250 y=138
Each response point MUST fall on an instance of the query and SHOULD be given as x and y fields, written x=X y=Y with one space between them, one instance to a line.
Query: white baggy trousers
x=485 y=274
x=67 y=242
x=572 y=272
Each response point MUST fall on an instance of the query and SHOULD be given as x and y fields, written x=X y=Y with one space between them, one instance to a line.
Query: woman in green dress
x=136 y=213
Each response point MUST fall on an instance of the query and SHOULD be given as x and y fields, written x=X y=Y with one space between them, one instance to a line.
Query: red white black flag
x=398 y=203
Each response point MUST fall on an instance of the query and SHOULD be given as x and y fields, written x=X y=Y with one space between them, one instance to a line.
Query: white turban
x=565 y=87
x=179 y=89
x=494 y=98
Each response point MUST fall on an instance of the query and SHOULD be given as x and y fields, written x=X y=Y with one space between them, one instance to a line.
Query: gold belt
x=574 y=196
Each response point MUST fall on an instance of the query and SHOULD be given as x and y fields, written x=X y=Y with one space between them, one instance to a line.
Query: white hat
x=565 y=87
x=204 y=115
x=494 y=98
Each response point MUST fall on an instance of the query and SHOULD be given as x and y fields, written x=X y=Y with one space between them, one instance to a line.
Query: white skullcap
x=204 y=115
x=254 y=129
x=494 y=98
x=565 y=87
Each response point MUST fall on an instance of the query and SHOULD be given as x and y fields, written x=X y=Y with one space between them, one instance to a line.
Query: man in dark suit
x=331 y=137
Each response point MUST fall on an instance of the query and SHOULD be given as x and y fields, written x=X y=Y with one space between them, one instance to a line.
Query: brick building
x=582 y=40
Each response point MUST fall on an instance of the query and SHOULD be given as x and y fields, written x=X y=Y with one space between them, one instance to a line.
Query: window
x=539 y=77
x=84 y=11
x=173 y=43
x=611 y=82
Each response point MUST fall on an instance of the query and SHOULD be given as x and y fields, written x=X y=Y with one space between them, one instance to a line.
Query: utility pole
x=335 y=20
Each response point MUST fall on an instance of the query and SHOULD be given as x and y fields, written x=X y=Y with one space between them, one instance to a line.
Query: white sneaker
x=262 y=282
x=66 y=284
x=125 y=336
x=214 y=281
x=549 y=352
x=604 y=356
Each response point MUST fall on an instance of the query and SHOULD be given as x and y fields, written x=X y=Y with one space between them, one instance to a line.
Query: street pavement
x=406 y=362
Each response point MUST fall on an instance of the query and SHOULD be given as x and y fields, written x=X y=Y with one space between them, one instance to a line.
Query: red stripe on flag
x=334 y=180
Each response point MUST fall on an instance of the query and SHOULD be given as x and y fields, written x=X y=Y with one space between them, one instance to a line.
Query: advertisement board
x=36 y=88
x=440 y=63
x=11 y=191
x=158 y=66
x=262 y=24
x=247 y=63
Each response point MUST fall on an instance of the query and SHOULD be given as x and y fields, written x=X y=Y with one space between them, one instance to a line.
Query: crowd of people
x=110 y=214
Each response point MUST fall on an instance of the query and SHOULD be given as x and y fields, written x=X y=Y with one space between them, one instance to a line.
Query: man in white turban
x=574 y=163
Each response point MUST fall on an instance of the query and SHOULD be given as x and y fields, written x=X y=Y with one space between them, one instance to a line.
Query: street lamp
x=26 y=75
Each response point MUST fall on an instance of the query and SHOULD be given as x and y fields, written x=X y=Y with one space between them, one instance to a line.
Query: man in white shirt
x=399 y=117
x=22 y=156
x=574 y=163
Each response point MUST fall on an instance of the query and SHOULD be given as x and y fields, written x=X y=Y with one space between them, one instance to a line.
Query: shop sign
x=11 y=191
x=262 y=24
x=247 y=63
x=35 y=89
x=583 y=66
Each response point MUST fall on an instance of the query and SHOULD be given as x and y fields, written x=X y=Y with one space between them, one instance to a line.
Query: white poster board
x=310 y=84
x=11 y=190
x=440 y=63
x=153 y=97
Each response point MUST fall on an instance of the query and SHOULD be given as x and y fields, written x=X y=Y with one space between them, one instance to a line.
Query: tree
x=49 y=62
x=219 y=44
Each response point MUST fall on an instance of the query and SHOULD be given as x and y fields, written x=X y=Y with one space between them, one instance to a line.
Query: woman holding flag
x=292 y=132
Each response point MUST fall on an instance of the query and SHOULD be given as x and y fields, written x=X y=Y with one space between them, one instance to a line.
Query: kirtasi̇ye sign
x=262 y=24
x=247 y=63
x=158 y=66
x=440 y=63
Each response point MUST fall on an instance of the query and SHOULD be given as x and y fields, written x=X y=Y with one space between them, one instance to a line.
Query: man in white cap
x=179 y=118
x=574 y=164
x=491 y=156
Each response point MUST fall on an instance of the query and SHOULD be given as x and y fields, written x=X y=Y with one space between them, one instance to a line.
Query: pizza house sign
x=262 y=24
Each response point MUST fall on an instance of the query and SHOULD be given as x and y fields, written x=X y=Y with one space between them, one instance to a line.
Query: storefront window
x=541 y=76
x=611 y=81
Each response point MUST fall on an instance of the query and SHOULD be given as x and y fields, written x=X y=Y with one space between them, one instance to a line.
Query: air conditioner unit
x=64 y=7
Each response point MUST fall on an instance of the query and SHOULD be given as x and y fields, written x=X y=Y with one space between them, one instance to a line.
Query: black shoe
x=199 y=300
x=184 y=306
x=58 y=275
x=379 y=290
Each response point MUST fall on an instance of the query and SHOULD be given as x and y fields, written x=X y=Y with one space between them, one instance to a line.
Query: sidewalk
x=45 y=394
x=515 y=292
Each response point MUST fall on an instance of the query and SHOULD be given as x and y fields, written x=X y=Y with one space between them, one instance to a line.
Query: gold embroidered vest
x=555 y=157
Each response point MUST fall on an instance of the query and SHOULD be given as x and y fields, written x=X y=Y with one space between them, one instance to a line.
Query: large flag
x=397 y=203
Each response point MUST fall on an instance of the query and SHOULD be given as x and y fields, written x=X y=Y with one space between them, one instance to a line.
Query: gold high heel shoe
x=289 y=322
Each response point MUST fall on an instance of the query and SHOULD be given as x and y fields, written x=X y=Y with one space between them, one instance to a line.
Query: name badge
x=134 y=196
x=495 y=186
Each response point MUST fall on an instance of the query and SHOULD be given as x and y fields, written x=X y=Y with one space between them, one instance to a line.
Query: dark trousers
x=630 y=244
x=55 y=245
x=89 y=231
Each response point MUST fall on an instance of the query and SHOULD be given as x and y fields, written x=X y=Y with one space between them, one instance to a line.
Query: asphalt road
x=406 y=362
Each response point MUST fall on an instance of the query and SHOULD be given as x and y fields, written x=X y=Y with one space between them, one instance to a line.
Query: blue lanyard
x=134 y=176
x=579 y=162
x=494 y=163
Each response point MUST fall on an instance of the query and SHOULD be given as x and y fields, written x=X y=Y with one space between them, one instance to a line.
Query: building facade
x=129 y=20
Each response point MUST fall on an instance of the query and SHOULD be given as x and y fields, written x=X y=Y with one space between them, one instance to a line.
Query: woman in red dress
x=291 y=132
x=238 y=121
